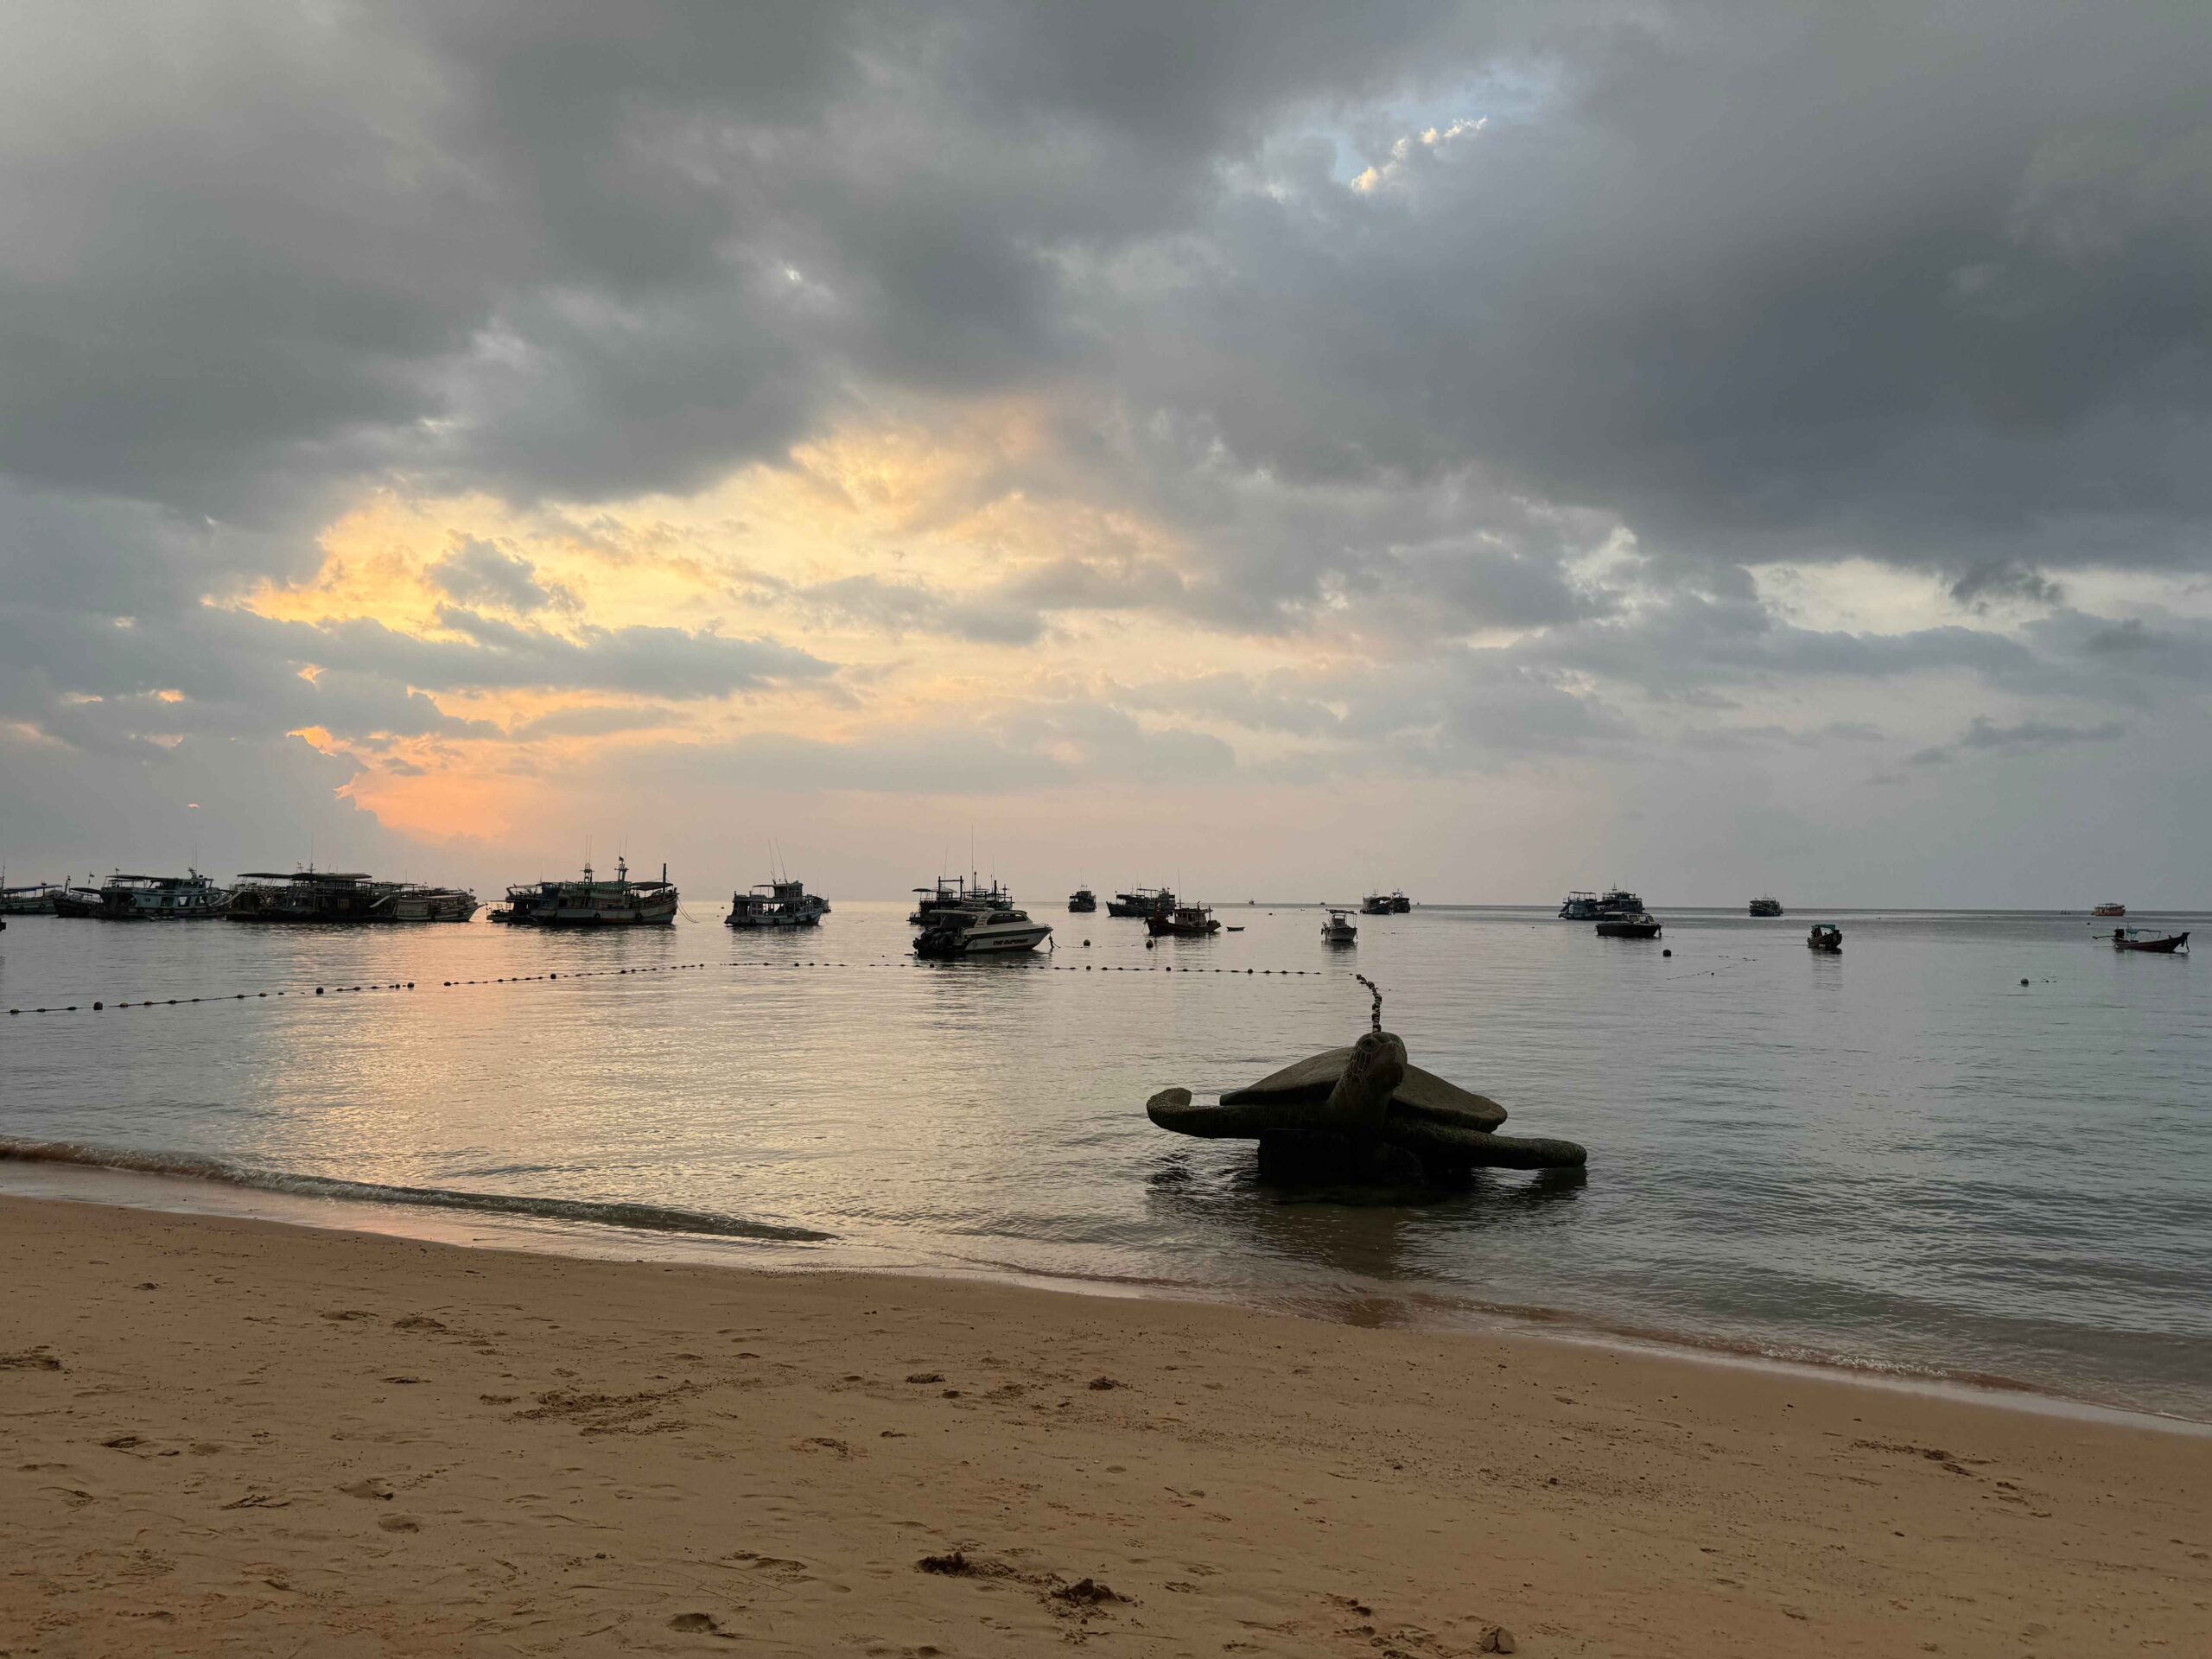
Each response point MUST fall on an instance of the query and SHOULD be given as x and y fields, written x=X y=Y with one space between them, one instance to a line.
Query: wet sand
x=235 y=1437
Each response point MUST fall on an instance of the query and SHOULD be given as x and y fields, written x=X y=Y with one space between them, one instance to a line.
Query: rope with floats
x=103 y=1006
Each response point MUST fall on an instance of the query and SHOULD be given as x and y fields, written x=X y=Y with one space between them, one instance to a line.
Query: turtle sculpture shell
x=1422 y=1096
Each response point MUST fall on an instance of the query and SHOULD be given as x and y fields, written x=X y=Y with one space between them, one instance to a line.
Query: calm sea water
x=1904 y=1158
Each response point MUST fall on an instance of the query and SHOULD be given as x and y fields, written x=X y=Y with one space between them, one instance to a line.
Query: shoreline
x=237 y=1435
x=162 y=1185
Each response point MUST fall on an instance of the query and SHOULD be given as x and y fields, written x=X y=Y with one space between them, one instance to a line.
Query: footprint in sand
x=399 y=1524
x=371 y=1487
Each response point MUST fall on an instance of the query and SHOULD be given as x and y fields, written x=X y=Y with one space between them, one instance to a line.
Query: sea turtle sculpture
x=1364 y=1112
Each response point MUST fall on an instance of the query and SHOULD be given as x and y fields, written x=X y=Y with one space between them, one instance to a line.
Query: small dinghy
x=1641 y=926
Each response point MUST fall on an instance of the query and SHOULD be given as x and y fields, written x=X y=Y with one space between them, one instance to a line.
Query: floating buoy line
x=103 y=1006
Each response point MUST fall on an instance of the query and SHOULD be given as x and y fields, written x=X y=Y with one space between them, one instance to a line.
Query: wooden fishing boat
x=1825 y=937
x=2141 y=938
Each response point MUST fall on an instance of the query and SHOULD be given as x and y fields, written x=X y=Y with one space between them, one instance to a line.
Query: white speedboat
x=1338 y=929
x=977 y=931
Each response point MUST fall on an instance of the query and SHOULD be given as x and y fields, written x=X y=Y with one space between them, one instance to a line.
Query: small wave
x=651 y=1217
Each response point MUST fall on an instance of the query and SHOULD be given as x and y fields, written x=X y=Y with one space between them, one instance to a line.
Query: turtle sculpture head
x=1362 y=1096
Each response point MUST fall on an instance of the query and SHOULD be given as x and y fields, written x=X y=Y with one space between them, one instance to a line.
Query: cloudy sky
x=1280 y=448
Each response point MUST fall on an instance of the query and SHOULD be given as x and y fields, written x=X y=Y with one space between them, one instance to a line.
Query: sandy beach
x=234 y=1437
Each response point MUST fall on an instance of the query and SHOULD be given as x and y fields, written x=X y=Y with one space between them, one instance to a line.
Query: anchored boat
x=1081 y=902
x=188 y=897
x=411 y=903
x=1184 y=922
x=777 y=905
x=1639 y=925
x=1339 y=928
x=76 y=904
x=35 y=900
x=1766 y=906
x=344 y=896
x=1611 y=904
x=1826 y=937
x=2141 y=938
x=593 y=903
x=951 y=892
x=979 y=930
x=1142 y=904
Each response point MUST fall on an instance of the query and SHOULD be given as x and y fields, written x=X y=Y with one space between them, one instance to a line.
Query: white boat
x=776 y=904
x=977 y=931
x=1338 y=929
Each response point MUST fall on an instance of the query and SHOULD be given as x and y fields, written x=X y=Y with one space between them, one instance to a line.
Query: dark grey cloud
x=1986 y=736
x=477 y=573
x=1995 y=581
x=1936 y=289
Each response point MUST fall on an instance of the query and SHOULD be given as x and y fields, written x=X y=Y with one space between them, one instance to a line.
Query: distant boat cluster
x=306 y=895
x=954 y=916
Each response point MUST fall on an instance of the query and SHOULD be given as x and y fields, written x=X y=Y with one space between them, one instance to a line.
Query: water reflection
x=1390 y=1234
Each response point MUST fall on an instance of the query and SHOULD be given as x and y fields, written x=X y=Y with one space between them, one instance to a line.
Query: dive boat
x=2141 y=938
x=188 y=897
x=1184 y=922
x=1639 y=925
x=1612 y=905
x=1338 y=929
x=1375 y=904
x=951 y=892
x=2109 y=908
x=1769 y=906
x=1144 y=902
x=411 y=903
x=1081 y=902
x=978 y=930
x=1825 y=937
x=37 y=899
x=593 y=903
x=778 y=904
x=1400 y=905
x=344 y=896
x=76 y=904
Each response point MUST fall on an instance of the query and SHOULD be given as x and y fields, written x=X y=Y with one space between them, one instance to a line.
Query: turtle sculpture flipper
x=1362 y=1112
x=1446 y=1145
